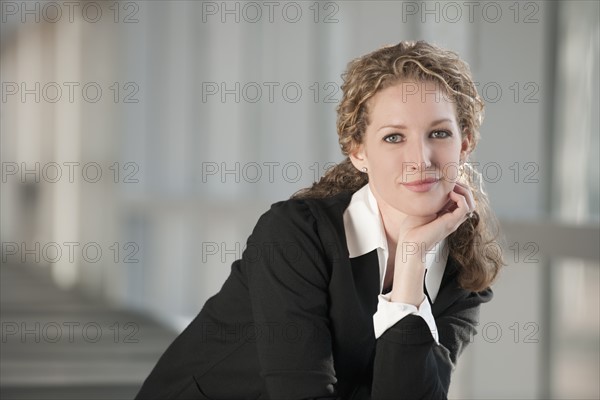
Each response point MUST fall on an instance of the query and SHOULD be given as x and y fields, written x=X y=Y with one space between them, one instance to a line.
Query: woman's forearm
x=409 y=274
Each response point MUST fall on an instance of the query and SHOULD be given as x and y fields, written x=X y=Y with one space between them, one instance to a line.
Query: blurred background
x=141 y=141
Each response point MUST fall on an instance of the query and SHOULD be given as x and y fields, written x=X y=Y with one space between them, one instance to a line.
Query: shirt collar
x=365 y=233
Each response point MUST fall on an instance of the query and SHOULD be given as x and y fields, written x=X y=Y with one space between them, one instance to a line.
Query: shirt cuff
x=388 y=313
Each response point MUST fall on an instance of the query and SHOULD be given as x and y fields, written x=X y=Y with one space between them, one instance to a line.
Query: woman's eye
x=394 y=138
x=441 y=134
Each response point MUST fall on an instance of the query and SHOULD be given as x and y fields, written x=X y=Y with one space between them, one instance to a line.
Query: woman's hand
x=416 y=238
x=460 y=204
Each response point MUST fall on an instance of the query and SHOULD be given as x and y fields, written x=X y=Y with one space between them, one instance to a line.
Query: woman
x=368 y=284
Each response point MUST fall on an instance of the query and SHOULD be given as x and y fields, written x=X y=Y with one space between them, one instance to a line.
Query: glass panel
x=576 y=178
x=576 y=329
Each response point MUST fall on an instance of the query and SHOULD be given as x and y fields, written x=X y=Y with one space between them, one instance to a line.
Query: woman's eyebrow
x=439 y=121
x=397 y=126
x=401 y=126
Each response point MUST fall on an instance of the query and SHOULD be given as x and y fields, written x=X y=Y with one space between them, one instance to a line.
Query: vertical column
x=67 y=148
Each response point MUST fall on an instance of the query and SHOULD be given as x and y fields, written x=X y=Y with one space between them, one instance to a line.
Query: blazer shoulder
x=313 y=209
x=318 y=221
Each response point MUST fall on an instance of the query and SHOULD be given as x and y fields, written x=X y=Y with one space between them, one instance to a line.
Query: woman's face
x=412 y=136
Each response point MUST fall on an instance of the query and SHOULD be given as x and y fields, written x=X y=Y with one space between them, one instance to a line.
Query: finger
x=466 y=192
x=463 y=208
x=448 y=207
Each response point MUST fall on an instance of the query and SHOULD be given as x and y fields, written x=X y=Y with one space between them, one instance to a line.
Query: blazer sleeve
x=287 y=281
x=408 y=362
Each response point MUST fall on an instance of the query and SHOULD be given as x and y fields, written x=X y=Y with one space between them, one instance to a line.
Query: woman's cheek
x=449 y=186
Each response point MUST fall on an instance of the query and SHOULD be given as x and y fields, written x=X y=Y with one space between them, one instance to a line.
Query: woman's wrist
x=409 y=273
x=413 y=299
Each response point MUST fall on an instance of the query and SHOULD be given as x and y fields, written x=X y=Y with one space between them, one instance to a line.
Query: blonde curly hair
x=474 y=244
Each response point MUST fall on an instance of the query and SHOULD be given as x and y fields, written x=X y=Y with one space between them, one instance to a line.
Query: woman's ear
x=358 y=159
x=465 y=148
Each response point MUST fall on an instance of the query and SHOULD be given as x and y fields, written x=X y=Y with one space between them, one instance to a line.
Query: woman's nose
x=419 y=156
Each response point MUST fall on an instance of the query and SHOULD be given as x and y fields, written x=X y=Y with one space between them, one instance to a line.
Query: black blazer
x=294 y=321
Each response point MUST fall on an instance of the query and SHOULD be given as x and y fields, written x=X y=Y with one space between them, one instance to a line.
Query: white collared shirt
x=365 y=233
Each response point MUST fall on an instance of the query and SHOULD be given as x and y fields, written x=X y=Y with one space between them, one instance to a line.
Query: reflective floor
x=60 y=345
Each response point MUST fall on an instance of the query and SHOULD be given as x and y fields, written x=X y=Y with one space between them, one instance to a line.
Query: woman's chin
x=424 y=210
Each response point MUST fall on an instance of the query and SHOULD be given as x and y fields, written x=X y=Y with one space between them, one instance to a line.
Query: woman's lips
x=421 y=186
